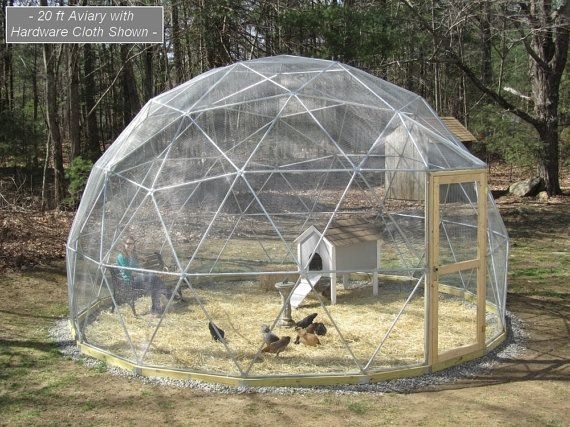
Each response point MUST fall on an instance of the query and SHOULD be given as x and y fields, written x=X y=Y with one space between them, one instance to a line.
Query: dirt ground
x=40 y=387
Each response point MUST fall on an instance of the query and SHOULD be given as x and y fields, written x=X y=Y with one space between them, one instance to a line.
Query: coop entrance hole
x=316 y=263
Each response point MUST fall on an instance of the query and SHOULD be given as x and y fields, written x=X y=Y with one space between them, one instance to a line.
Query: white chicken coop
x=348 y=246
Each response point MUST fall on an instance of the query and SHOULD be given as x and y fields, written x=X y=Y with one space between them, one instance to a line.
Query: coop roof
x=351 y=231
x=346 y=232
x=457 y=128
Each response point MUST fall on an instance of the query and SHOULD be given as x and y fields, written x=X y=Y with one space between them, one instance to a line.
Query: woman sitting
x=128 y=258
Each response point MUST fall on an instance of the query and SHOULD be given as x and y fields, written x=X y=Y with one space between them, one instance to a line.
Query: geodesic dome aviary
x=271 y=189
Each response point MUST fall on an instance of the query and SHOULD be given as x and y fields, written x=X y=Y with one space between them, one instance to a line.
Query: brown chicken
x=317 y=328
x=314 y=328
x=277 y=346
x=307 y=339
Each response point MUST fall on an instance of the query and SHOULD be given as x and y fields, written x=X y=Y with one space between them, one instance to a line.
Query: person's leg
x=155 y=292
x=155 y=301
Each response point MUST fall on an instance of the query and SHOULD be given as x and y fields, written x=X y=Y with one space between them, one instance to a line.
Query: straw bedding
x=181 y=339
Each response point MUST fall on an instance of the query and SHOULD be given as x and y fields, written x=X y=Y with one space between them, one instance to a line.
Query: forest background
x=497 y=66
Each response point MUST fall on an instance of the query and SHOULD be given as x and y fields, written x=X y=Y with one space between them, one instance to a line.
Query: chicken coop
x=348 y=246
x=251 y=180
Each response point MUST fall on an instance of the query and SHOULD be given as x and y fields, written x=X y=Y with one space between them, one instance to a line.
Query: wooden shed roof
x=460 y=131
x=351 y=231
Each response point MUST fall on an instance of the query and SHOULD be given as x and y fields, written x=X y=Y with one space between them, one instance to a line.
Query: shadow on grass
x=31 y=315
x=45 y=346
x=545 y=352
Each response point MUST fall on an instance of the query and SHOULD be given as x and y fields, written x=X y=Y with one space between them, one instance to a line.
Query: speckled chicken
x=268 y=336
x=277 y=346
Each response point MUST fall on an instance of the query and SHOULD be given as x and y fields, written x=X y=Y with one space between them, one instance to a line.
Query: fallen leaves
x=32 y=238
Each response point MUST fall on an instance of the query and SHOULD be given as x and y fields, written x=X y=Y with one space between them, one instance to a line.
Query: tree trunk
x=436 y=77
x=131 y=102
x=92 y=148
x=50 y=66
x=148 y=73
x=545 y=91
x=548 y=52
x=216 y=24
x=189 y=39
x=8 y=77
x=45 y=204
x=74 y=106
x=486 y=47
x=177 y=45
x=36 y=103
x=8 y=68
x=549 y=164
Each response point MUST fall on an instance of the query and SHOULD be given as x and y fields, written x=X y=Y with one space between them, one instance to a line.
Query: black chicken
x=306 y=321
x=216 y=332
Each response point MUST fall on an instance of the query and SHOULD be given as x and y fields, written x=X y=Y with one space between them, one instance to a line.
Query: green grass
x=39 y=387
x=100 y=367
x=535 y=272
x=29 y=359
x=540 y=266
x=358 y=407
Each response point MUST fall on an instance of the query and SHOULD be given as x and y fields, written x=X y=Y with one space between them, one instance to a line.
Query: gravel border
x=511 y=347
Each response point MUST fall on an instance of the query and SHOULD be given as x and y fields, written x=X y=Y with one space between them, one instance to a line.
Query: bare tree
x=73 y=60
x=7 y=74
x=546 y=30
x=92 y=147
x=542 y=28
x=51 y=65
x=131 y=100
x=177 y=44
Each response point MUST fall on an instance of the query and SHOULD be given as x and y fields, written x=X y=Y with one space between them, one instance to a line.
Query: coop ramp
x=303 y=289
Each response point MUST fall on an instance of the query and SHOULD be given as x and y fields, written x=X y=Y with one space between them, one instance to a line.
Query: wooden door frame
x=434 y=269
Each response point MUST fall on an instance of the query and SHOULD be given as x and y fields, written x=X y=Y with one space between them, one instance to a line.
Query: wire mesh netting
x=264 y=181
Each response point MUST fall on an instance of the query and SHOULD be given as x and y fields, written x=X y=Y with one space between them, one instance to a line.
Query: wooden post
x=333 y=275
x=432 y=275
x=482 y=257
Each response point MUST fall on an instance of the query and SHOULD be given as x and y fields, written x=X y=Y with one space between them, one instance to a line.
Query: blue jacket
x=124 y=261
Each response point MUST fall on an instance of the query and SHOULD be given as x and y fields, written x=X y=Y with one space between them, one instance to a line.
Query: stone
x=542 y=197
x=528 y=188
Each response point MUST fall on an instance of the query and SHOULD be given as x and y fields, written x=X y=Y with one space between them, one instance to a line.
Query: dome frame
x=220 y=176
